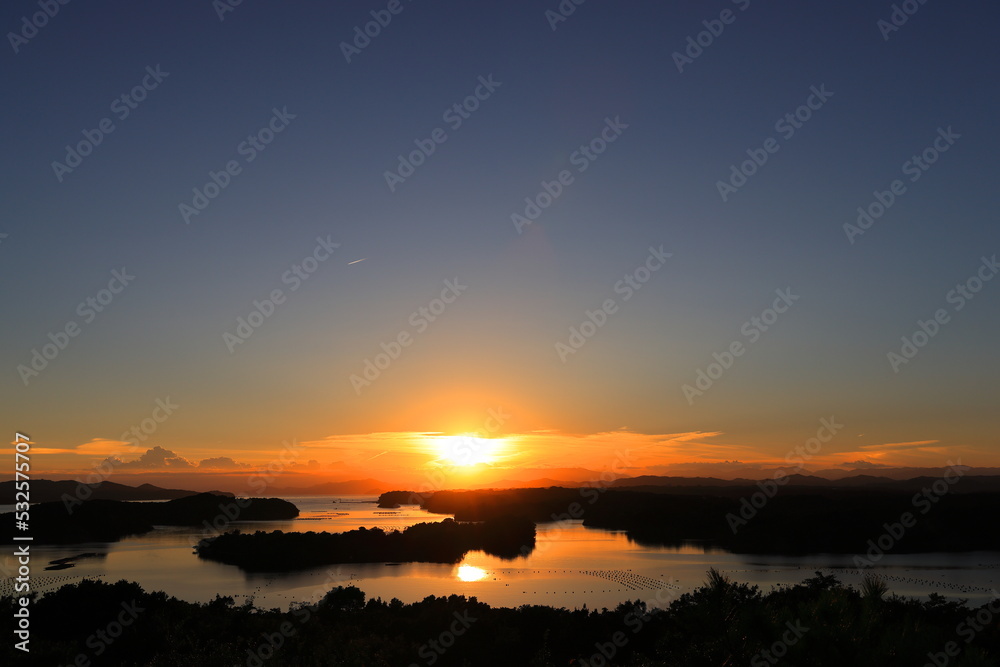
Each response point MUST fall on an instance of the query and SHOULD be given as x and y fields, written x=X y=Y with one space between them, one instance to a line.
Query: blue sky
x=324 y=176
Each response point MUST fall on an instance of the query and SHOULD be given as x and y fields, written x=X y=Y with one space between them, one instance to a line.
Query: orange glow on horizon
x=468 y=449
x=387 y=460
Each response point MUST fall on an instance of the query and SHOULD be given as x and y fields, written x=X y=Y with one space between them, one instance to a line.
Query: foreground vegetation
x=442 y=542
x=816 y=623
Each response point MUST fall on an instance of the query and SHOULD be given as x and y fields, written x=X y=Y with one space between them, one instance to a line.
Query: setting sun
x=467 y=450
x=470 y=573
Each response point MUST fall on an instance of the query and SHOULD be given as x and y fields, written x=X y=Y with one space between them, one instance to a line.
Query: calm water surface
x=571 y=566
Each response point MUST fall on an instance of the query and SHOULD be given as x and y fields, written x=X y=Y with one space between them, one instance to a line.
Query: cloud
x=156 y=458
x=408 y=452
x=159 y=458
x=221 y=463
x=410 y=457
x=621 y=449
x=311 y=464
x=897 y=446
x=93 y=447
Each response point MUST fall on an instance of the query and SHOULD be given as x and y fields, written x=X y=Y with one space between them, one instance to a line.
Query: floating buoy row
x=625 y=579
x=43 y=583
x=761 y=569
x=630 y=580
x=951 y=586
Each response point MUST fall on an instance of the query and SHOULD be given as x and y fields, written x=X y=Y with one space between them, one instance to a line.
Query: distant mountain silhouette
x=900 y=473
x=970 y=483
x=111 y=520
x=780 y=520
x=47 y=491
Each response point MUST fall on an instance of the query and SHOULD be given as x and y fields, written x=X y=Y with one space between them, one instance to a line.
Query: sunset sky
x=673 y=267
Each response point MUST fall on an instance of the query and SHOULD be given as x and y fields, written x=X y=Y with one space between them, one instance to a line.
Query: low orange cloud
x=95 y=447
x=410 y=457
